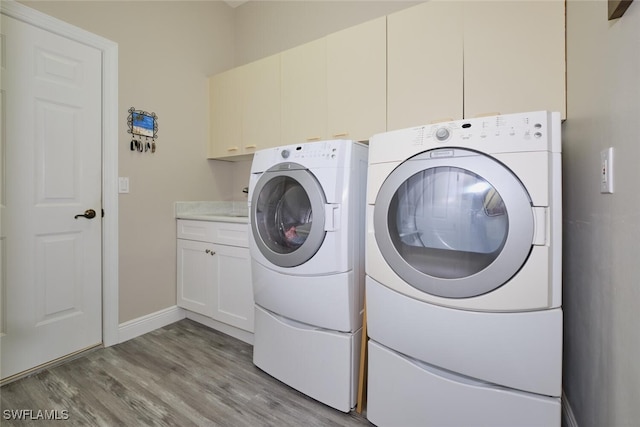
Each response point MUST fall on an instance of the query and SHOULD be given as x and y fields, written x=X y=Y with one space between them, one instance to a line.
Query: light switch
x=123 y=184
x=606 y=171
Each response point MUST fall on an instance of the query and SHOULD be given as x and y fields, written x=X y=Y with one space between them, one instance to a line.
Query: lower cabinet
x=214 y=278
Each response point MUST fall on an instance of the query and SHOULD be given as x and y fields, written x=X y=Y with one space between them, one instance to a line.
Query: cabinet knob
x=210 y=252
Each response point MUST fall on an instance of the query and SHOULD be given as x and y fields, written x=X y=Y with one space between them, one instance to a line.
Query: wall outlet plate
x=606 y=171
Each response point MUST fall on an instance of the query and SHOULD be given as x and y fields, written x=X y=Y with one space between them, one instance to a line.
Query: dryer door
x=454 y=223
x=287 y=215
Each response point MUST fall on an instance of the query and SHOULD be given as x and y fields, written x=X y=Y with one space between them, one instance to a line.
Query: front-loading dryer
x=306 y=210
x=463 y=264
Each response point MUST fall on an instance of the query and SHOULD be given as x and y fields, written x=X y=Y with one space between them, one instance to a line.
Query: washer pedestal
x=320 y=363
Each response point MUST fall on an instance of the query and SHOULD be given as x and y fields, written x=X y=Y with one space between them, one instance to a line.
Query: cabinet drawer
x=225 y=233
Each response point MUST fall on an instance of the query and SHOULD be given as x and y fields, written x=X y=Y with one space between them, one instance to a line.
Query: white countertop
x=213 y=211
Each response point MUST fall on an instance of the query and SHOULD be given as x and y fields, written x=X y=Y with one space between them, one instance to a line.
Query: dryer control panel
x=530 y=131
x=522 y=132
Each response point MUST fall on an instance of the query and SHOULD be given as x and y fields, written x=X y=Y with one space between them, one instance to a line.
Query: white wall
x=166 y=51
x=602 y=231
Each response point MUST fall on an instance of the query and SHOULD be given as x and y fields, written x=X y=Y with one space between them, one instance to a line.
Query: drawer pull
x=340 y=135
x=314 y=138
x=251 y=147
x=232 y=149
x=210 y=252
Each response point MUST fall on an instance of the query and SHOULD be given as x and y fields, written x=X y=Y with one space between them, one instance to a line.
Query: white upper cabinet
x=225 y=115
x=451 y=60
x=356 y=81
x=304 y=93
x=245 y=108
x=424 y=64
x=260 y=104
x=514 y=57
x=437 y=61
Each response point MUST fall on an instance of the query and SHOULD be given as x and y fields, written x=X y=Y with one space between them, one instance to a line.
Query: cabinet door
x=357 y=81
x=304 y=93
x=196 y=272
x=514 y=57
x=260 y=81
x=225 y=115
x=232 y=289
x=424 y=64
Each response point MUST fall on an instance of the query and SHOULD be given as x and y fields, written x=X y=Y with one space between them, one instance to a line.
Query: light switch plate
x=123 y=184
x=606 y=171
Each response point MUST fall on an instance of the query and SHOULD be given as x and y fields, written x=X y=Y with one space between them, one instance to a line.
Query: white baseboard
x=150 y=322
x=240 y=334
x=568 y=419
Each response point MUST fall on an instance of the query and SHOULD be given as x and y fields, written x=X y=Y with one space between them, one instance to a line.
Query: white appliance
x=306 y=209
x=463 y=263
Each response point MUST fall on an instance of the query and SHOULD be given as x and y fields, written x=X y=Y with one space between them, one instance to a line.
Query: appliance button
x=442 y=134
x=285 y=154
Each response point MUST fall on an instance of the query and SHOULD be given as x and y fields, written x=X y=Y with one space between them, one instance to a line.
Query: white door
x=51 y=270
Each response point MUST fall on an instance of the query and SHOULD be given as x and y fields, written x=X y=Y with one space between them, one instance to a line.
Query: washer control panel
x=327 y=150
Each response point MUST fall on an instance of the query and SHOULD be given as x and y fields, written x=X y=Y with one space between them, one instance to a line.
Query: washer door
x=454 y=223
x=287 y=215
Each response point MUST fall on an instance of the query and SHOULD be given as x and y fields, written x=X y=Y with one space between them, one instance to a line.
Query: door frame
x=109 y=51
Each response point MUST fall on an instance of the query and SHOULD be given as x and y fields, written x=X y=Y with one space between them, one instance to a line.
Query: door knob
x=89 y=213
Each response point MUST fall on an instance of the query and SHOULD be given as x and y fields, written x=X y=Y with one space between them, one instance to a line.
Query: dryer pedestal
x=317 y=362
x=405 y=392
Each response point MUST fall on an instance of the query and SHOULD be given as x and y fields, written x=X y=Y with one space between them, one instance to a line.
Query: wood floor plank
x=184 y=374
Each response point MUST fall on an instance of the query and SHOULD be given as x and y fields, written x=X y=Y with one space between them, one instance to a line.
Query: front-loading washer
x=463 y=263
x=306 y=210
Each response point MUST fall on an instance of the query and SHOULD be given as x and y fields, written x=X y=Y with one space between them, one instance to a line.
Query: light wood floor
x=184 y=374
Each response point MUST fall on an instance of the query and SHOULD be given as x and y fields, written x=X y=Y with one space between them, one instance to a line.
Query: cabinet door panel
x=356 y=81
x=195 y=276
x=424 y=64
x=233 y=295
x=260 y=81
x=514 y=57
x=304 y=93
x=225 y=115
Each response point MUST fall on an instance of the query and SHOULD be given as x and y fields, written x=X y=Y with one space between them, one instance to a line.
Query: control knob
x=442 y=134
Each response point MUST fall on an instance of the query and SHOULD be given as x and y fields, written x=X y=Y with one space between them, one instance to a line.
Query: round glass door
x=287 y=215
x=453 y=223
